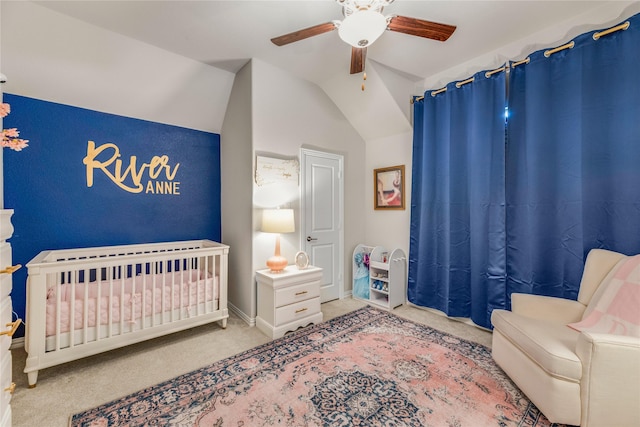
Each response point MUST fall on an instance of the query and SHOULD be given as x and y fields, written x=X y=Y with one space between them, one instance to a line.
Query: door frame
x=304 y=152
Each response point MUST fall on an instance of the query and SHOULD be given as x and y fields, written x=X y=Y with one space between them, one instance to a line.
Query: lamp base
x=277 y=263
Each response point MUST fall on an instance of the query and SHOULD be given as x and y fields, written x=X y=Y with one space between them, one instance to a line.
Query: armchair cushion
x=558 y=310
x=552 y=347
x=598 y=267
x=614 y=307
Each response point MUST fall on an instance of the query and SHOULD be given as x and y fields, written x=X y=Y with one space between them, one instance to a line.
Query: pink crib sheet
x=176 y=289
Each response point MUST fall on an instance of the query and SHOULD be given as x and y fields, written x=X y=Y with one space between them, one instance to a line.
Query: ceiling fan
x=363 y=23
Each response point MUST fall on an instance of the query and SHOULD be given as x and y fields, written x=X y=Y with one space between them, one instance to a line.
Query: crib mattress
x=126 y=300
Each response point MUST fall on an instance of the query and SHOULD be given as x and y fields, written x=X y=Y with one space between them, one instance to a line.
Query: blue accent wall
x=145 y=182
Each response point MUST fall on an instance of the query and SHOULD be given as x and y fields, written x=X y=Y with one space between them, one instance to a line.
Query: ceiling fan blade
x=421 y=28
x=304 y=33
x=358 y=55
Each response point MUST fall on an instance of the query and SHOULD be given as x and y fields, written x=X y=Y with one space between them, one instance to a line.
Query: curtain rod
x=492 y=72
x=435 y=92
x=547 y=54
x=464 y=82
x=624 y=26
x=524 y=61
x=596 y=36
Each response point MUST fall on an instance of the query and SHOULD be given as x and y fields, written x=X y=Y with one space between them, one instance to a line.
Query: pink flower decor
x=10 y=137
x=5 y=109
x=10 y=133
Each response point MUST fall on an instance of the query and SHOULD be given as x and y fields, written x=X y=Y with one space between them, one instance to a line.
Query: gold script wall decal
x=112 y=168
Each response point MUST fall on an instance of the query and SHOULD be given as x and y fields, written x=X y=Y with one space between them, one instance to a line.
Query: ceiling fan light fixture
x=362 y=28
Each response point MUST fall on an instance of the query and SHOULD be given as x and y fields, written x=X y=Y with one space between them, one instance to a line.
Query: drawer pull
x=11 y=269
x=14 y=328
x=301 y=293
x=11 y=388
x=300 y=310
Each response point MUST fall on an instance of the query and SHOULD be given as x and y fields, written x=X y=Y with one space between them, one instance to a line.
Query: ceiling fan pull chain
x=364 y=77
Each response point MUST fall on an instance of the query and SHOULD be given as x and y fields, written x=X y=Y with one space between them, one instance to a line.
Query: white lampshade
x=362 y=28
x=278 y=221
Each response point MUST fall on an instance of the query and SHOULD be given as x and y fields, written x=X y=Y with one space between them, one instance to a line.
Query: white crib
x=81 y=302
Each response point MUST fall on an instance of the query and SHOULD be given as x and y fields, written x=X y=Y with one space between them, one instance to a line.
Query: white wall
x=236 y=153
x=290 y=113
x=386 y=98
x=272 y=113
x=53 y=57
x=389 y=228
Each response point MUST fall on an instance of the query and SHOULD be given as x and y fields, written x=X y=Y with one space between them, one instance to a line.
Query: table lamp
x=277 y=221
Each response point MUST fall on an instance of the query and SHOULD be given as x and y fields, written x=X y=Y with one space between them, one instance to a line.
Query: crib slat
x=153 y=295
x=72 y=309
x=185 y=286
x=204 y=267
x=215 y=259
x=110 y=307
x=202 y=274
x=186 y=305
x=176 y=273
x=143 y=297
x=173 y=291
x=135 y=300
x=58 y=309
x=98 y=319
x=85 y=308
x=121 y=300
x=199 y=282
x=159 y=287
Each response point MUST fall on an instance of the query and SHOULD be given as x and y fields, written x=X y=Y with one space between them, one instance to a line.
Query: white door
x=322 y=218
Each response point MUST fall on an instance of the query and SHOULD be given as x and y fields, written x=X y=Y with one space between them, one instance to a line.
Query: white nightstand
x=288 y=300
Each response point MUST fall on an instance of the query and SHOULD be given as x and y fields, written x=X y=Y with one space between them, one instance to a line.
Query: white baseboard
x=17 y=343
x=235 y=310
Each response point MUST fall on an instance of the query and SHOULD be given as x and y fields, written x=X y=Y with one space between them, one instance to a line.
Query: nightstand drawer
x=300 y=310
x=297 y=293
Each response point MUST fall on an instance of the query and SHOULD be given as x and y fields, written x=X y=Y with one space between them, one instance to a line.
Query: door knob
x=309 y=238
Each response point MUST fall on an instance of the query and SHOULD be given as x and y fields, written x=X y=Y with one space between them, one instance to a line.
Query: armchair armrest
x=559 y=310
x=610 y=384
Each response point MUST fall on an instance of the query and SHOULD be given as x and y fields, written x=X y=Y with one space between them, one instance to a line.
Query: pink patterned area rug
x=366 y=368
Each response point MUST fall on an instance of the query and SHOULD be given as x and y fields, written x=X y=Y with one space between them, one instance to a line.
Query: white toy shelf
x=385 y=285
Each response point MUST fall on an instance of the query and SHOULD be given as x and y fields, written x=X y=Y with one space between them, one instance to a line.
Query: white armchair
x=576 y=378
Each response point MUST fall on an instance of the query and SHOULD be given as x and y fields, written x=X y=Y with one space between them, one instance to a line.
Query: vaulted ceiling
x=227 y=34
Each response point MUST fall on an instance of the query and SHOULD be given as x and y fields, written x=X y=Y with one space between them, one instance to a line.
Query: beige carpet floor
x=76 y=386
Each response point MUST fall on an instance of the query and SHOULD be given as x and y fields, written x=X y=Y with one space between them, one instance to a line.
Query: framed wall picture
x=270 y=170
x=388 y=187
